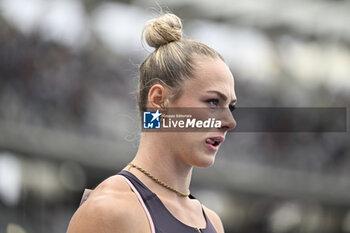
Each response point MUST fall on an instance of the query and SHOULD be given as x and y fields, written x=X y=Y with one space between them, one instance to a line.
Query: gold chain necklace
x=158 y=181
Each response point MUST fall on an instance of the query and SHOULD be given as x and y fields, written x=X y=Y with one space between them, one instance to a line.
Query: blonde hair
x=172 y=60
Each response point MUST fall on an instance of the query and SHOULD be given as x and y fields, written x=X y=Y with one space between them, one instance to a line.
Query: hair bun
x=163 y=30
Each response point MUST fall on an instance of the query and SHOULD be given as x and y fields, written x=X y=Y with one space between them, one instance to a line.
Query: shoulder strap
x=85 y=196
x=145 y=192
x=149 y=217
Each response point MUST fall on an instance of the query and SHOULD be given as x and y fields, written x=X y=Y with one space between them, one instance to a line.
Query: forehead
x=212 y=74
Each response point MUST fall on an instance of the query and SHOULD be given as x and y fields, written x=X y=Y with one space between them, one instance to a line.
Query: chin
x=205 y=162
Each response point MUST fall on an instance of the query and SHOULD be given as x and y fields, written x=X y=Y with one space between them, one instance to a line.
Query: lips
x=214 y=142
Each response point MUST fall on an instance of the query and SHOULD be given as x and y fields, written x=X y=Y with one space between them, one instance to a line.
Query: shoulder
x=111 y=207
x=215 y=219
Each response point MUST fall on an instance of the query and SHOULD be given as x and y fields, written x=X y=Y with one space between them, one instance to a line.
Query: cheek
x=186 y=144
x=192 y=150
x=192 y=145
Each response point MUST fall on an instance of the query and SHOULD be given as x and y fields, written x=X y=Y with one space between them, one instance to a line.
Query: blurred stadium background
x=68 y=116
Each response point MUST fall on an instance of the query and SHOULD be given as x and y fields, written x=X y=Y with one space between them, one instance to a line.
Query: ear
x=157 y=96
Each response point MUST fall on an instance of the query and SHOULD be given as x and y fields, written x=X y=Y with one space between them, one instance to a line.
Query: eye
x=213 y=102
x=232 y=107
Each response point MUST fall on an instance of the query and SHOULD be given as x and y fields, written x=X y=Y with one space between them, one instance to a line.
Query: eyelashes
x=215 y=103
x=232 y=107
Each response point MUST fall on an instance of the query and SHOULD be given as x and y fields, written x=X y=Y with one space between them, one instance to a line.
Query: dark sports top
x=161 y=220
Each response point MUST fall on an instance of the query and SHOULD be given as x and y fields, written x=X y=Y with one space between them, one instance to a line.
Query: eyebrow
x=222 y=96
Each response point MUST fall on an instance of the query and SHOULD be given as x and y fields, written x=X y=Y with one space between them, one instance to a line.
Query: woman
x=151 y=194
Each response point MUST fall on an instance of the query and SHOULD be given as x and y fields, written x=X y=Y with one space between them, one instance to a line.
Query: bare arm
x=103 y=216
x=108 y=211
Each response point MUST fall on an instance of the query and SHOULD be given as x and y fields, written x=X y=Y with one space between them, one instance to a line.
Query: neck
x=164 y=165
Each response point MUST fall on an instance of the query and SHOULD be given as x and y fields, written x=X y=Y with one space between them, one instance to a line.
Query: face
x=211 y=87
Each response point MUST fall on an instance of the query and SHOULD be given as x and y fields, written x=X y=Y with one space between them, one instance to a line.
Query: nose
x=227 y=120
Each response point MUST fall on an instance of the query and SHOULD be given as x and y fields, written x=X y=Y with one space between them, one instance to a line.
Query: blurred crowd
x=46 y=84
